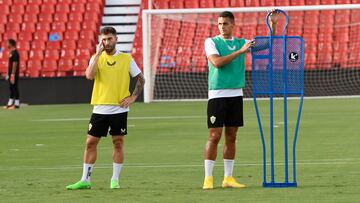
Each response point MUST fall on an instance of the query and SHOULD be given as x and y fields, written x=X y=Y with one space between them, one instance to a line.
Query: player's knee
x=118 y=143
x=214 y=137
x=230 y=138
x=91 y=144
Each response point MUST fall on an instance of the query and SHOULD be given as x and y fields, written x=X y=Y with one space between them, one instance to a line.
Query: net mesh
x=179 y=65
x=267 y=81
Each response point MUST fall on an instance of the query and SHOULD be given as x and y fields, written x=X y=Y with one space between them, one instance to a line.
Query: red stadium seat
x=47 y=8
x=38 y=45
x=80 y=64
x=65 y=65
x=161 y=4
x=93 y=8
x=36 y=55
x=45 y=17
x=25 y=36
x=50 y=2
x=61 y=17
x=41 y=35
x=88 y=35
x=23 y=45
x=74 y=26
x=24 y=54
x=237 y=3
x=62 y=8
x=34 y=2
x=69 y=44
x=13 y=27
x=78 y=7
x=65 y=1
x=67 y=54
x=58 y=26
x=15 y=18
x=9 y=35
x=52 y=54
x=49 y=68
x=89 y=17
x=43 y=27
x=22 y=67
x=34 y=67
x=80 y=1
x=72 y=35
x=76 y=17
x=89 y=26
x=5 y=9
x=2 y=28
x=3 y=19
x=30 y=18
x=85 y=44
x=19 y=2
x=53 y=45
x=28 y=27
x=83 y=53
x=19 y=9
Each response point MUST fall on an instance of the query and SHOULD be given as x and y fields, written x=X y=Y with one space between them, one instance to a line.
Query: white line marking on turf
x=71 y=167
x=129 y=118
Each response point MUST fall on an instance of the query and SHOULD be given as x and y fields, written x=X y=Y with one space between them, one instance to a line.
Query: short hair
x=227 y=14
x=108 y=30
x=12 y=42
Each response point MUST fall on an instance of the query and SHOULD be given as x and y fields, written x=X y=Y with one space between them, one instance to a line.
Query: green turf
x=164 y=157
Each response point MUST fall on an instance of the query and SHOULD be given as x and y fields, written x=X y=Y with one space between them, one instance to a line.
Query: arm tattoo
x=139 y=85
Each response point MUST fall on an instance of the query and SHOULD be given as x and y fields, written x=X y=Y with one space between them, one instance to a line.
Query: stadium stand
x=50 y=34
x=182 y=42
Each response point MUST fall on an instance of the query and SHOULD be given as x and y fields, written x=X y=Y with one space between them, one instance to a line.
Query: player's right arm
x=219 y=61
x=91 y=69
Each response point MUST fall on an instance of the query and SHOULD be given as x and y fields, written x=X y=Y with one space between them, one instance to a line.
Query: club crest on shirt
x=212 y=119
x=110 y=64
x=123 y=130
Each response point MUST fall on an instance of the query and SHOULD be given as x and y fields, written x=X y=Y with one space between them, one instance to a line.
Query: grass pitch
x=41 y=152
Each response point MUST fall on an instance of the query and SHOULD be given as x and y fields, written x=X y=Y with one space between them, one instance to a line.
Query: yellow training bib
x=112 y=79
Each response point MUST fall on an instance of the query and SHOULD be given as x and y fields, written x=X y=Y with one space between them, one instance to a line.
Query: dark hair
x=227 y=14
x=108 y=30
x=12 y=42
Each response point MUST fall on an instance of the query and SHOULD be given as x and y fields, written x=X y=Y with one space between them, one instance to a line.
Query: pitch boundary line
x=129 y=118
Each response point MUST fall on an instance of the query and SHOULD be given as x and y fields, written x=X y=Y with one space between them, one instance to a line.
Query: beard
x=109 y=49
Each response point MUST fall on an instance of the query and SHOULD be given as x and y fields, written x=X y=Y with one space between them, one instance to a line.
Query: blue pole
x=285 y=112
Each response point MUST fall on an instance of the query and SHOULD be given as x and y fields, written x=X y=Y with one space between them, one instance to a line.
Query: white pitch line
x=171 y=166
x=129 y=118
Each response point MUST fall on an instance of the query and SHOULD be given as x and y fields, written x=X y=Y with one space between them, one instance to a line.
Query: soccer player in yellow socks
x=111 y=70
x=226 y=62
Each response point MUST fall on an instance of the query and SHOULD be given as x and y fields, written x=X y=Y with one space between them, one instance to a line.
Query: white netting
x=179 y=65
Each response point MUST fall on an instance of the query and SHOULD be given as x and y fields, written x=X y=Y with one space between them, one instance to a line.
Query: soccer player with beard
x=111 y=70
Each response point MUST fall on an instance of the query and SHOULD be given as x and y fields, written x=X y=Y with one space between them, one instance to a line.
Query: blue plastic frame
x=271 y=94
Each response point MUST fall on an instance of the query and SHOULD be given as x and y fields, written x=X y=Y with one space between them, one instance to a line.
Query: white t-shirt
x=210 y=49
x=112 y=109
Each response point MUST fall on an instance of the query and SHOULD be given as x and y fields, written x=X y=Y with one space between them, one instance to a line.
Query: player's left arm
x=140 y=81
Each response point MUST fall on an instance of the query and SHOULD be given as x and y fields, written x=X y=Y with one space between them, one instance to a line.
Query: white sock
x=228 y=167
x=116 y=171
x=17 y=102
x=87 y=169
x=209 y=166
x=10 y=102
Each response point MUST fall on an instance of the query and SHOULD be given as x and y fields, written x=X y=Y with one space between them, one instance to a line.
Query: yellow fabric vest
x=112 y=79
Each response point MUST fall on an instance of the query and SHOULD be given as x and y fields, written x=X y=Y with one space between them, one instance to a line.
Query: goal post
x=175 y=66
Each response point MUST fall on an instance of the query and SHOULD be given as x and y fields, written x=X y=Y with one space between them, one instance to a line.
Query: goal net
x=175 y=65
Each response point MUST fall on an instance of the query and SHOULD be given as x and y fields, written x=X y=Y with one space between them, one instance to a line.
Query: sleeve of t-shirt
x=210 y=48
x=134 y=69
